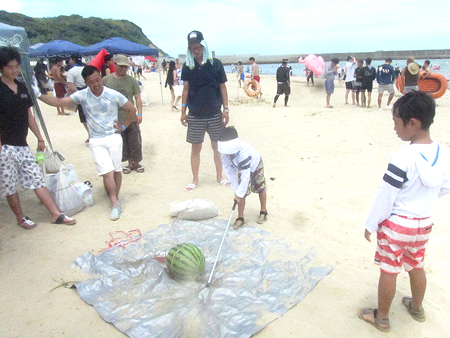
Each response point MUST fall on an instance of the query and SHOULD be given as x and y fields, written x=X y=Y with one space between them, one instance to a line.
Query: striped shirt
x=244 y=162
x=415 y=177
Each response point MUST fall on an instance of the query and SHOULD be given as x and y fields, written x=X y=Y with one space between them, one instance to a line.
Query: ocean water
x=298 y=69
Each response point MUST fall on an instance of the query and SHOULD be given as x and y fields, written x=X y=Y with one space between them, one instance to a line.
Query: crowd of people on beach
x=110 y=108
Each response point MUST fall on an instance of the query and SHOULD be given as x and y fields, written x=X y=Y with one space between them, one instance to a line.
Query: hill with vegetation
x=76 y=29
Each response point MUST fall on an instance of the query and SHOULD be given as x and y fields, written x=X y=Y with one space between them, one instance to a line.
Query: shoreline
x=375 y=56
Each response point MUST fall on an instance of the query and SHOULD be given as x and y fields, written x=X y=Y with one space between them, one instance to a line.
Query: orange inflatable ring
x=252 y=88
x=435 y=84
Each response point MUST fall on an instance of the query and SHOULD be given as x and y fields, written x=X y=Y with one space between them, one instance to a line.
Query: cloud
x=13 y=6
x=273 y=27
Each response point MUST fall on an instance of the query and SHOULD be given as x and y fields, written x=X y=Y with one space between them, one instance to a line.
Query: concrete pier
x=378 y=55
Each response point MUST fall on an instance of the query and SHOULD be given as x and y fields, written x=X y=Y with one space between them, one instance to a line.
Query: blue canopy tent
x=11 y=36
x=117 y=45
x=55 y=48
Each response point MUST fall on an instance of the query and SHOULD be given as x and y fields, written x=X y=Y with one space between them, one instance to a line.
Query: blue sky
x=269 y=27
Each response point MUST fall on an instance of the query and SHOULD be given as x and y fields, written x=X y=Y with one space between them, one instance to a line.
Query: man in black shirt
x=204 y=93
x=17 y=163
x=283 y=83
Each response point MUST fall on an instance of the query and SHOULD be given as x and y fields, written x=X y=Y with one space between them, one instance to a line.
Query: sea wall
x=378 y=55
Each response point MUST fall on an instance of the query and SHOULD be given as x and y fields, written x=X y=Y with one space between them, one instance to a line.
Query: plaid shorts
x=402 y=242
x=257 y=180
x=198 y=126
x=18 y=164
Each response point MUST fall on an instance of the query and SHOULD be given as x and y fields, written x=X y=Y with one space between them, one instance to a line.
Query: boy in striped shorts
x=401 y=215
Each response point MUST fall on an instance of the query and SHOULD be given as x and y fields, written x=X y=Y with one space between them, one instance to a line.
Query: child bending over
x=244 y=167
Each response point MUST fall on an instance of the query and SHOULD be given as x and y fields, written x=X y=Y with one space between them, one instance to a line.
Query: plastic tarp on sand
x=258 y=278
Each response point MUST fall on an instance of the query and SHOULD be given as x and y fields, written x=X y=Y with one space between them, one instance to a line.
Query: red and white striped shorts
x=402 y=241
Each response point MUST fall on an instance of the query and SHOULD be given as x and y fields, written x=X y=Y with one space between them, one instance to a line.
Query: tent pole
x=160 y=85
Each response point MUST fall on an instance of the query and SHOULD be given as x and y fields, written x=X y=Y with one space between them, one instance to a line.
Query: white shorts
x=107 y=153
x=178 y=90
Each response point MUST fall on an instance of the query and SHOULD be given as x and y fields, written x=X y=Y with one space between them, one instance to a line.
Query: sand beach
x=323 y=166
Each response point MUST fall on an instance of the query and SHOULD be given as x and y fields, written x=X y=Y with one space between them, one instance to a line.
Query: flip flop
x=190 y=187
x=380 y=324
x=64 y=219
x=27 y=223
x=139 y=168
x=128 y=169
x=417 y=315
x=224 y=183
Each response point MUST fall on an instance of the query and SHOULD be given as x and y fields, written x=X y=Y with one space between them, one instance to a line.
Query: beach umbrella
x=118 y=45
x=149 y=58
x=55 y=48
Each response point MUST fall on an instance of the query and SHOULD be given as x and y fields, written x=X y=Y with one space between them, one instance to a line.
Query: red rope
x=122 y=238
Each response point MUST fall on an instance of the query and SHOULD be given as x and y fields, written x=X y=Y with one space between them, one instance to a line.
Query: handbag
x=53 y=160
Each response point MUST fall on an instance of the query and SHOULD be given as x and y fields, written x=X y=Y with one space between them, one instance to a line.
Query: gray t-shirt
x=101 y=111
x=330 y=73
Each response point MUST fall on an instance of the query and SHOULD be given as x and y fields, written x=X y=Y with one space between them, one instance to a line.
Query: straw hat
x=413 y=68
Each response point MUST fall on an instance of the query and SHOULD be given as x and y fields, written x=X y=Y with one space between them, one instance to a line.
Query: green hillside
x=76 y=29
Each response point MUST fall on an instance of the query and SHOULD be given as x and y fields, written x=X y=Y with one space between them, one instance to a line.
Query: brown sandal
x=418 y=315
x=381 y=324
x=238 y=223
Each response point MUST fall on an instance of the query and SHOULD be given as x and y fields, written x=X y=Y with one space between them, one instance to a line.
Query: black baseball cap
x=195 y=36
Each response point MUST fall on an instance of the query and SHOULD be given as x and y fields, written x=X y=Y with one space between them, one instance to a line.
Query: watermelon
x=185 y=262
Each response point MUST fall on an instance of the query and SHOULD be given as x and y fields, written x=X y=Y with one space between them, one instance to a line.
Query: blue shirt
x=385 y=74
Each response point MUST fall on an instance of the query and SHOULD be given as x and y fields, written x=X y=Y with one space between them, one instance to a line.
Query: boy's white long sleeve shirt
x=244 y=162
x=416 y=176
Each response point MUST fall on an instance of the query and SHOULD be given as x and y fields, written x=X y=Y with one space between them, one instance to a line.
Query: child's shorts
x=402 y=241
x=18 y=164
x=257 y=180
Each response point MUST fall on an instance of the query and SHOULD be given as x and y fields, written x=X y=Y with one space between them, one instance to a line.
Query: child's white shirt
x=416 y=176
x=245 y=161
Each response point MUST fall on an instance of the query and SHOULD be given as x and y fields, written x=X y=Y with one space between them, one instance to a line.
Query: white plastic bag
x=85 y=191
x=67 y=197
x=196 y=209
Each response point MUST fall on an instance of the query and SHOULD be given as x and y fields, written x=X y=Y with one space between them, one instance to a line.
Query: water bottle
x=40 y=158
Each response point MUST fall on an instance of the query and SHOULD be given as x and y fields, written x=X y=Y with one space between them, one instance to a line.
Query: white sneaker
x=380 y=109
x=389 y=107
x=115 y=213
